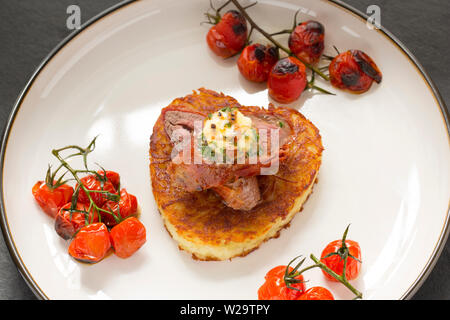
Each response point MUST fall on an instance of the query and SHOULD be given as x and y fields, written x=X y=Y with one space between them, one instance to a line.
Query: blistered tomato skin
x=67 y=224
x=91 y=243
x=354 y=71
x=127 y=237
x=51 y=201
x=112 y=176
x=92 y=183
x=317 y=293
x=307 y=41
x=229 y=36
x=256 y=61
x=126 y=207
x=336 y=263
x=275 y=288
x=287 y=80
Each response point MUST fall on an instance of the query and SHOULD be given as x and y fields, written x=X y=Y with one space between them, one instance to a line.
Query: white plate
x=386 y=164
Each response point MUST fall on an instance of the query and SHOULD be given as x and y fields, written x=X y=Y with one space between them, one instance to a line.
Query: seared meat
x=235 y=183
x=243 y=194
x=178 y=119
x=266 y=121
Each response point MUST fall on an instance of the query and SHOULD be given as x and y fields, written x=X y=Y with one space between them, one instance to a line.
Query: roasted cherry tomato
x=67 y=223
x=91 y=182
x=336 y=262
x=112 y=176
x=52 y=200
x=127 y=237
x=353 y=71
x=256 y=61
x=307 y=41
x=229 y=35
x=91 y=243
x=287 y=80
x=275 y=288
x=316 y=293
x=126 y=207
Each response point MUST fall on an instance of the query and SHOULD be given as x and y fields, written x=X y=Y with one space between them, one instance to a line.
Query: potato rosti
x=200 y=221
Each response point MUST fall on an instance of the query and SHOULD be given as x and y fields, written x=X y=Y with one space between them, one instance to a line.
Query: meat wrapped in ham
x=235 y=182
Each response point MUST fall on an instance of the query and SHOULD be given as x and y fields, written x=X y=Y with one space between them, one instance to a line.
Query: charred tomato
x=127 y=237
x=275 y=288
x=287 y=80
x=68 y=223
x=229 y=35
x=354 y=71
x=307 y=41
x=256 y=61
x=51 y=200
x=91 y=243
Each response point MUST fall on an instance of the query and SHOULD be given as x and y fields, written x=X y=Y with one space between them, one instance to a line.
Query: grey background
x=30 y=29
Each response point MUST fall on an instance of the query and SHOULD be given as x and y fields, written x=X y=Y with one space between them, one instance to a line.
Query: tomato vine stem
x=290 y=277
x=92 y=205
x=342 y=252
x=275 y=42
x=342 y=279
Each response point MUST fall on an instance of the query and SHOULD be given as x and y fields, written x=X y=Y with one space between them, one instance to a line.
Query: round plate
x=385 y=166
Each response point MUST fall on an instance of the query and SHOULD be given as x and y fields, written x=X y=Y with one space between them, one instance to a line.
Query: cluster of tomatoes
x=93 y=233
x=275 y=287
x=353 y=70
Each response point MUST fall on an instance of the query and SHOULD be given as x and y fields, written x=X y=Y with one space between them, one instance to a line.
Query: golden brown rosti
x=200 y=222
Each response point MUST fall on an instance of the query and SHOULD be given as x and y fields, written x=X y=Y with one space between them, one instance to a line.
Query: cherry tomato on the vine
x=112 y=176
x=316 y=293
x=287 y=80
x=229 y=35
x=91 y=243
x=336 y=263
x=353 y=71
x=126 y=207
x=275 y=288
x=68 y=223
x=256 y=61
x=51 y=200
x=307 y=41
x=91 y=182
x=127 y=237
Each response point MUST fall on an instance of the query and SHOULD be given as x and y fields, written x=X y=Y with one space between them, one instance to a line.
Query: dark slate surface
x=29 y=30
